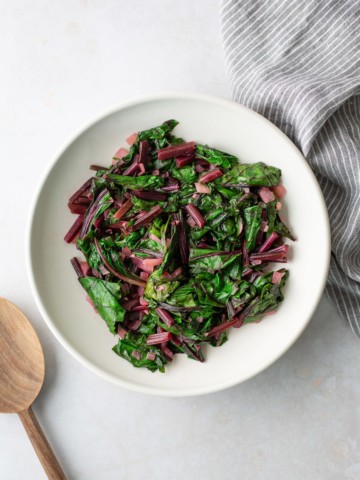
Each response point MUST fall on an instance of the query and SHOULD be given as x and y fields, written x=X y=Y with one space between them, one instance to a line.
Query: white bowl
x=224 y=125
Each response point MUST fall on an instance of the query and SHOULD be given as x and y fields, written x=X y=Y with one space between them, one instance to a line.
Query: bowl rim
x=33 y=205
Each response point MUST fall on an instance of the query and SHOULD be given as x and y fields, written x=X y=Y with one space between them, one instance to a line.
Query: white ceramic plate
x=224 y=125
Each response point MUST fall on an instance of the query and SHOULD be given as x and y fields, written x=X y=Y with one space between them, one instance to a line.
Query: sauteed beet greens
x=178 y=239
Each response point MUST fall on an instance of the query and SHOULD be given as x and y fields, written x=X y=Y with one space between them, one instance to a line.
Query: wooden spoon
x=22 y=370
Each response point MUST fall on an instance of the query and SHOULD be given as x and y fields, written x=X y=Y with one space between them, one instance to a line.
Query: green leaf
x=144 y=205
x=186 y=174
x=183 y=296
x=210 y=260
x=105 y=296
x=252 y=217
x=171 y=260
x=137 y=183
x=252 y=174
x=216 y=157
x=157 y=133
x=135 y=341
x=112 y=256
x=158 y=288
x=269 y=299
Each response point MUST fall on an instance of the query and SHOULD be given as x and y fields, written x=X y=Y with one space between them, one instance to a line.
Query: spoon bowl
x=22 y=365
x=22 y=371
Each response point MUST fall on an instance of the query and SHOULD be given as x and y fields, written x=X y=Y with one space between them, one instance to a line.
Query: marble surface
x=62 y=63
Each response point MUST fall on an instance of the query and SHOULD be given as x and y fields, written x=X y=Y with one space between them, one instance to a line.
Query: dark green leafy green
x=216 y=157
x=252 y=174
x=170 y=286
x=252 y=218
x=105 y=297
x=149 y=182
x=133 y=342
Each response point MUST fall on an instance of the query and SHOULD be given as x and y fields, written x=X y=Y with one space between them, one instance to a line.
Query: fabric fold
x=297 y=63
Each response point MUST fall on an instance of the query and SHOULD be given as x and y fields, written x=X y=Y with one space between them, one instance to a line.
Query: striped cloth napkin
x=297 y=62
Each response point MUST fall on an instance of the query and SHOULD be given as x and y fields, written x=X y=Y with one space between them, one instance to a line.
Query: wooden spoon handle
x=41 y=445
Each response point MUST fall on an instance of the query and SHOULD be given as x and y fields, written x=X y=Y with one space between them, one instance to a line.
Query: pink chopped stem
x=220 y=328
x=134 y=325
x=96 y=168
x=140 y=264
x=201 y=188
x=136 y=354
x=77 y=267
x=266 y=194
x=74 y=229
x=195 y=214
x=271 y=255
x=131 y=139
x=139 y=308
x=120 y=153
x=143 y=151
x=130 y=304
x=209 y=177
x=151 y=196
x=151 y=356
x=132 y=169
x=165 y=316
x=276 y=277
x=152 y=262
x=157 y=338
x=183 y=161
x=81 y=190
x=147 y=218
x=77 y=208
x=125 y=207
x=166 y=350
x=176 y=151
x=279 y=191
x=121 y=332
x=268 y=242
x=155 y=238
x=171 y=187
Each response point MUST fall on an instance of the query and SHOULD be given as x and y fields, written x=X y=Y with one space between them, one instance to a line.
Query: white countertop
x=62 y=63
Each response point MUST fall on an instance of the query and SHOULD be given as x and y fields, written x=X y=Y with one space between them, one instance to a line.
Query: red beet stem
x=221 y=327
x=171 y=187
x=182 y=161
x=77 y=267
x=74 y=229
x=91 y=212
x=148 y=217
x=183 y=241
x=125 y=207
x=176 y=151
x=143 y=151
x=77 y=208
x=165 y=316
x=271 y=255
x=202 y=162
x=268 y=242
x=157 y=338
x=195 y=214
x=82 y=189
x=96 y=168
x=209 y=177
x=151 y=196
x=132 y=169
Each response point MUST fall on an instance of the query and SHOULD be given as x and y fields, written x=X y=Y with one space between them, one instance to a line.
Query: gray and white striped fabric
x=297 y=62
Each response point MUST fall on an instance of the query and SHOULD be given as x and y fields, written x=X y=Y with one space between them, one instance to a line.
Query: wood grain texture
x=22 y=370
x=22 y=365
x=41 y=445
